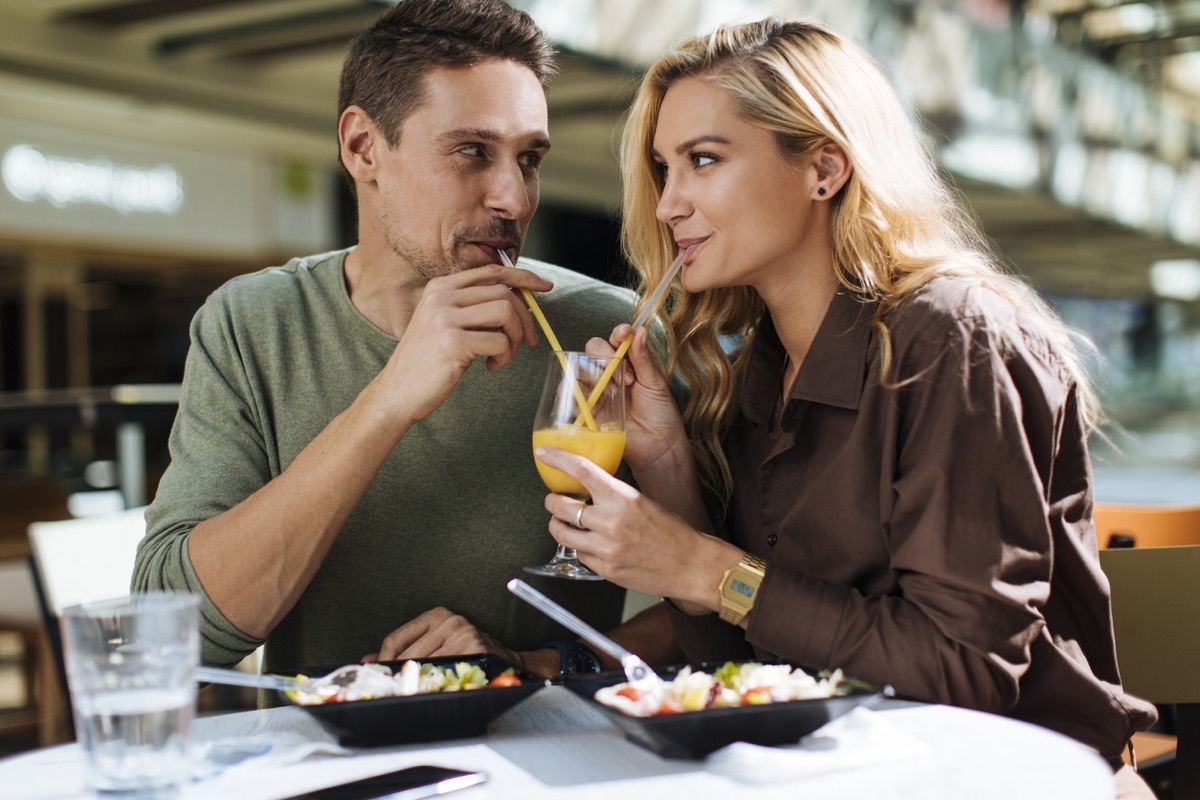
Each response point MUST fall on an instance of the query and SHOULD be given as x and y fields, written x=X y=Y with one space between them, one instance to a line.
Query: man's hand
x=460 y=317
x=441 y=632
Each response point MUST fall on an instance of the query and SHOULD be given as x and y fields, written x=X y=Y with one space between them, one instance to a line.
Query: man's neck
x=384 y=291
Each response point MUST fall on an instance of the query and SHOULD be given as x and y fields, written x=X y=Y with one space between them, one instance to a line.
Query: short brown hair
x=384 y=73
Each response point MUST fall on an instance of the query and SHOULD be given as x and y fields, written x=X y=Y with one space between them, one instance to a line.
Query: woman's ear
x=358 y=136
x=832 y=169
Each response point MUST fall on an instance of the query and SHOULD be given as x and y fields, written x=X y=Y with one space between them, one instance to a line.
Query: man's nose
x=511 y=193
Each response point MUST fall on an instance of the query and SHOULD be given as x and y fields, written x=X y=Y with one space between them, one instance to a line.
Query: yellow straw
x=585 y=408
x=606 y=376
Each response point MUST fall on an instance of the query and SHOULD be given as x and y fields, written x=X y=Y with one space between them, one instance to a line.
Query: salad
x=731 y=685
x=370 y=681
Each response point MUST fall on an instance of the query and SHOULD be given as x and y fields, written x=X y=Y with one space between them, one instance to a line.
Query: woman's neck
x=797 y=310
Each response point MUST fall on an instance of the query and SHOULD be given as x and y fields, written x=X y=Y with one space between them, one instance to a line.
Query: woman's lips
x=689 y=247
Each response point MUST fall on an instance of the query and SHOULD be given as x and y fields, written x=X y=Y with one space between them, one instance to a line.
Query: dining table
x=555 y=744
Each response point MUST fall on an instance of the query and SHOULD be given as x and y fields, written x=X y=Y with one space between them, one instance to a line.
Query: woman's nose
x=671 y=204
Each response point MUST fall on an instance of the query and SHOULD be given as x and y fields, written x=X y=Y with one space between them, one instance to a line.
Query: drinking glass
x=560 y=423
x=131 y=671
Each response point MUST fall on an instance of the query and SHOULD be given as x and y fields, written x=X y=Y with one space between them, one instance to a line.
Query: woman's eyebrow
x=690 y=143
x=702 y=139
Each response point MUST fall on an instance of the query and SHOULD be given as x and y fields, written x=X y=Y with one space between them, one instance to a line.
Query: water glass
x=131 y=668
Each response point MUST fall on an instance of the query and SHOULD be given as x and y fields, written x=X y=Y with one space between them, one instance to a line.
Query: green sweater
x=455 y=511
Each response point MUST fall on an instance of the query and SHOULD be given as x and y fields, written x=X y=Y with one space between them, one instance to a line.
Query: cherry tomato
x=759 y=695
x=505 y=679
x=629 y=693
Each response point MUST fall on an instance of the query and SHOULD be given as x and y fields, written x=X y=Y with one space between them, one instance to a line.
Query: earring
x=821 y=191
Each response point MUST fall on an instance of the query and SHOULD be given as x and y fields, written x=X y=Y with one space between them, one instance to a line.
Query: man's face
x=462 y=181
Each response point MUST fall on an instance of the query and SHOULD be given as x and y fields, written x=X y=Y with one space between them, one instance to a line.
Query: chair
x=41 y=710
x=76 y=560
x=25 y=499
x=92 y=559
x=1156 y=605
x=85 y=559
x=1150 y=526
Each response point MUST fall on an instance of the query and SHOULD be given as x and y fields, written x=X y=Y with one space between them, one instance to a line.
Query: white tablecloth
x=554 y=746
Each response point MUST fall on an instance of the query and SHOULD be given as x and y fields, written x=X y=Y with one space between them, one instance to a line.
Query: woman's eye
x=703 y=159
x=661 y=168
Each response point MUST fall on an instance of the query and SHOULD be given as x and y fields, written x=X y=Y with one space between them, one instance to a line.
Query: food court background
x=151 y=150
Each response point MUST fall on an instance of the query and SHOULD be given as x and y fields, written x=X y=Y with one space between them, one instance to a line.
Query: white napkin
x=859 y=739
x=274 y=737
x=263 y=750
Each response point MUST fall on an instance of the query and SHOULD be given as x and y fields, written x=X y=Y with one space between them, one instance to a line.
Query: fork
x=342 y=676
x=637 y=671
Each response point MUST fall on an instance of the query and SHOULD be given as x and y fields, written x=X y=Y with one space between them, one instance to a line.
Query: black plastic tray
x=695 y=734
x=423 y=717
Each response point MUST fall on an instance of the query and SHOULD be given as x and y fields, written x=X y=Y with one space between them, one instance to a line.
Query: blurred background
x=152 y=149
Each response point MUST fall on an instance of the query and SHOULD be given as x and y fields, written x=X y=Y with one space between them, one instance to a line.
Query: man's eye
x=531 y=160
x=473 y=150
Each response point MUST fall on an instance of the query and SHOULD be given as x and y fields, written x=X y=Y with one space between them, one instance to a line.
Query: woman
x=897 y=452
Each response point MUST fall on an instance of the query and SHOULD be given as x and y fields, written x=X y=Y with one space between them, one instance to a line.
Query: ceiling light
x=1176 y=278
x=1135 y=19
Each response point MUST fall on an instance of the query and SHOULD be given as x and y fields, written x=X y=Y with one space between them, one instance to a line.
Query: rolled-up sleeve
x=217 y=459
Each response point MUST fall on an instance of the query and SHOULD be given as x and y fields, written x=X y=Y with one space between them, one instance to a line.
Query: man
x=351 y=457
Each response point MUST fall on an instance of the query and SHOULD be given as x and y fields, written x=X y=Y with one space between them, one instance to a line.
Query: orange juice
x=602 y=447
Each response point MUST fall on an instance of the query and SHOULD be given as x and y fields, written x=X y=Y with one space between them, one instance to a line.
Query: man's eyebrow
x=487 y=135
x=690 y=143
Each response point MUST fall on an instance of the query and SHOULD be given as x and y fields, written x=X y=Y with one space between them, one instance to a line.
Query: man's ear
x=358 y=138
x=832 y=168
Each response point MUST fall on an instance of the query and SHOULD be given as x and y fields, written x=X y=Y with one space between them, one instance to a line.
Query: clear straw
x=648 y=309
x=660 y=291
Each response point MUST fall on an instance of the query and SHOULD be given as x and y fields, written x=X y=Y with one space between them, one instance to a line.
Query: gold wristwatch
x=739 y=588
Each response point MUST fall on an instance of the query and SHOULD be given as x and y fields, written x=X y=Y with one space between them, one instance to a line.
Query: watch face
x=738 y=586
x=739 y=590
x=582 y=660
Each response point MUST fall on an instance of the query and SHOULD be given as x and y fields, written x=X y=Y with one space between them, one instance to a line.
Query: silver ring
x=578 y=523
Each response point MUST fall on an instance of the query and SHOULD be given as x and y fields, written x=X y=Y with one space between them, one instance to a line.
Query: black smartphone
x=405 y=784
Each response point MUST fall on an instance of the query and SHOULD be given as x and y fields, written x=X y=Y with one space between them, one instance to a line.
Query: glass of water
x=131 y=668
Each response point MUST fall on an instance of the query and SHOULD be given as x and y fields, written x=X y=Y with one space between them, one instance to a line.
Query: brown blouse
x=938 y=536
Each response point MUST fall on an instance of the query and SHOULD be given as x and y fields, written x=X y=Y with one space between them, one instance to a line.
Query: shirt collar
x=833 y=372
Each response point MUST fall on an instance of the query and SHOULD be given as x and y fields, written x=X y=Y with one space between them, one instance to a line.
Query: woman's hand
x=634 y=542
x=653 y=427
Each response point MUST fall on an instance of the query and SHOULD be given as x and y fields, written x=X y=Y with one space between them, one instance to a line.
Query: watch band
x=739 y=588
x=574 y=658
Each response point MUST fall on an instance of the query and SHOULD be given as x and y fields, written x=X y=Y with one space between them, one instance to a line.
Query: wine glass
x=599 y=436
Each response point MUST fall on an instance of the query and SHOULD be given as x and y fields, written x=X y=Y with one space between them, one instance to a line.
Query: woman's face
x=739 y=208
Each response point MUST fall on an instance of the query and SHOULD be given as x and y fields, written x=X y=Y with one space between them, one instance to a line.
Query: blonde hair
x=894 y=226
